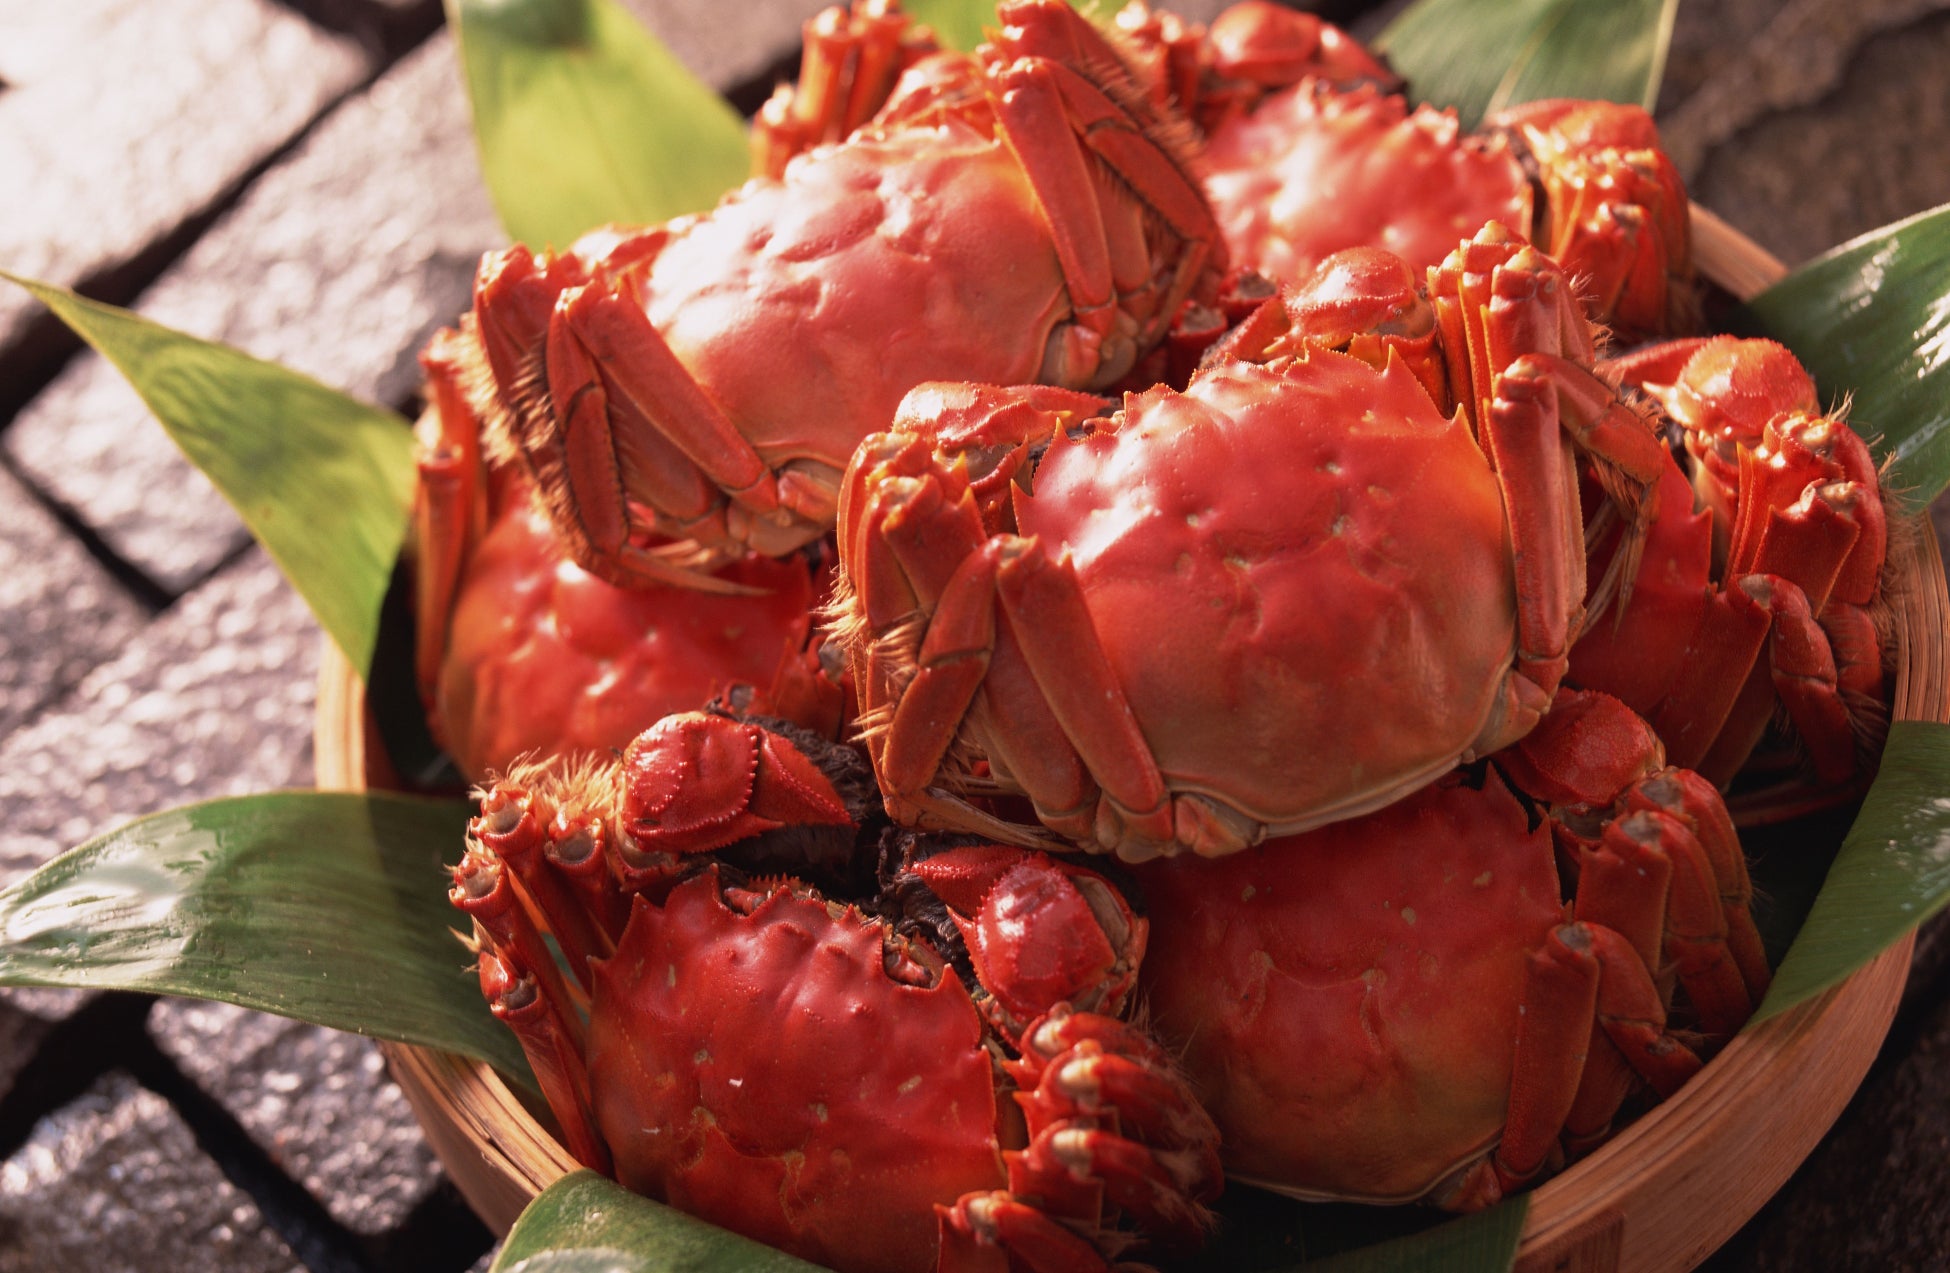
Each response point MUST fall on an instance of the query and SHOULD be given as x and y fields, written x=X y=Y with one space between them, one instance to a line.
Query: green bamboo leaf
x=583 y=117
x=1485 y=1242
x=585 y=1224
x=329 y=907
x=1872 y=318
x=958 y=24
x=324 y=481
x=1893 y=871
x=1479 y=57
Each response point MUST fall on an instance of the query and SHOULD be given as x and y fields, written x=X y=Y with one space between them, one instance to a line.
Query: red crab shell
x=1011 y=216
x=544 y=657
x=1410 y=1005
x=519 y=651
x=1313 y=170
x=1397 y=977
x=856 y=1102
x=1293 y=539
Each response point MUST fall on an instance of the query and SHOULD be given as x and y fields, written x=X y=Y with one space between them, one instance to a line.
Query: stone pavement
x=296 y=177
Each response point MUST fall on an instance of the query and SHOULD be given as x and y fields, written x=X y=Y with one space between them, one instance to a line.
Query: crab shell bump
x=1290 y=594
x=810 y=1073
x=1021 y=215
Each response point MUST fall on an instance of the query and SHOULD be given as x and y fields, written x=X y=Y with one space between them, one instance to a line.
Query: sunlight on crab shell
x=1356 y=536
x=815 y=1074
x=1324 y=522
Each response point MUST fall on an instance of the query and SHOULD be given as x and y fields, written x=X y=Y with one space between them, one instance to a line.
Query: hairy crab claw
x=1139 y=621
x=1758 y=602
x=1021 y=214
x=813 y=1072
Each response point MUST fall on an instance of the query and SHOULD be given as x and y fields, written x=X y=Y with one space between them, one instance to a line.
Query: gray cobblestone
x=315 y=1100
x=115 y=1181
x=137 y=116
x=1794 y=59
x=215 y=698
x=338 y=263
x=1802 y=180
x=60 y=612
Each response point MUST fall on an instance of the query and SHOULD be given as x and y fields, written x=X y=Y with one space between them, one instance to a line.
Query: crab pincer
x=1019 y=214
x=1138 y=620
x=728 y=1033
x=1760 y=587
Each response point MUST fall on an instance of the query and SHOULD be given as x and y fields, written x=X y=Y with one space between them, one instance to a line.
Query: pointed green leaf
x=1485 y=1242
x=958 y=24
x=1893 y=871
x=583 y=117
x=324 y=481
x=1479 y=57
x=1872 y=318
x=585 y=1224
x=328 y=907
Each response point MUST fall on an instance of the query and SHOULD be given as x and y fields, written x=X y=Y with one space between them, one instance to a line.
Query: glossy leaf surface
x=328 y=907
x=1893 y=871
x=584 y=1223
x=1485 y=1242
x=1871 y=319
x=583 y=117
x=1481 y=57
x=323 y=480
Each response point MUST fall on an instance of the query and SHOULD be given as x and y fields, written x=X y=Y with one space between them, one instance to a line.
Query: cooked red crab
x=1413 y=1005
x=1146 y=626
x=1014 y=216
x=1311 y=149
x=523 y=653
x=1768 y=599
x=815 y=1075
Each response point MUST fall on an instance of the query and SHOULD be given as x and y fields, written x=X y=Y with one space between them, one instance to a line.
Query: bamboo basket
x=1662 y=1195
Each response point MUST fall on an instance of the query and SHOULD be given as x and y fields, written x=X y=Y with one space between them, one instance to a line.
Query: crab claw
x=1272 y=45
x=697 y=782
x=1039 y=931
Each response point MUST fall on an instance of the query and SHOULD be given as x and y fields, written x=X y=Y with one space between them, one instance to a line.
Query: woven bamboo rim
x=1662 y=1195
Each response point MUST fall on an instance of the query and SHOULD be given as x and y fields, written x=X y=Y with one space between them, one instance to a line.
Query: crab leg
x=967 y=663
x=609 y=329
x=850 y=62
x=552 y=1050
x=1584 y=972
x=995 y=1232
x=1688 y=796
x=1074 y=675
x=450 y=509
x=513 y=826
x=1049 y=115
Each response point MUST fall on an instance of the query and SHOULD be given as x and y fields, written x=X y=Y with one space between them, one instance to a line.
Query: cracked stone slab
x=726 y=45
x=317 y=1102
x=214 y=698
x=115 y=1181
x=1803 y=179
x=124 y=119
x=1793 y=57
x=60 y=612
x=339 y=263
